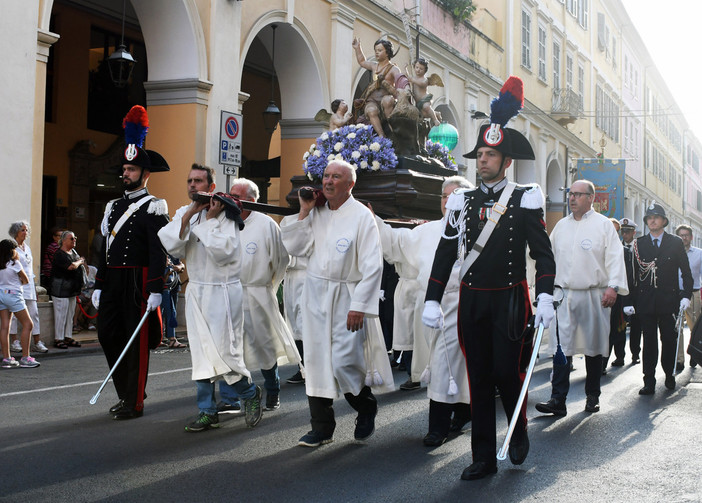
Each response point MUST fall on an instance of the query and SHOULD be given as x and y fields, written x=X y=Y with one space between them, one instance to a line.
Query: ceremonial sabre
x=94 y=399
x=502 y=453
x=679 y=323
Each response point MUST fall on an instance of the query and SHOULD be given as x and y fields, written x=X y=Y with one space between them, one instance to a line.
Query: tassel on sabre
x=94 y=399
x=502 y=453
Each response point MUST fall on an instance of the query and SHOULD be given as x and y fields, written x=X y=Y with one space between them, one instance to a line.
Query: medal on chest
x=485 y=213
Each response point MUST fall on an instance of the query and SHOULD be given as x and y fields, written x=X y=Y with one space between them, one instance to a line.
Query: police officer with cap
x=658 y=258
x=628 y=230
x=130 y=275
x=493 y=224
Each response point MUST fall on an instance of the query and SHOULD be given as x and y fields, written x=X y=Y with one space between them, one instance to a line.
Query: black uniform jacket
x=664 y=296
x=502 y=263
x=136 y=244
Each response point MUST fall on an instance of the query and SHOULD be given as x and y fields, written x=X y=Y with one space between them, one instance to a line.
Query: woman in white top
x=19 y=231
x=12 y=277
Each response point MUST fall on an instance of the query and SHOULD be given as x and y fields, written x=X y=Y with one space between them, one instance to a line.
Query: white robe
x=213 y=296
x=343 y=274
x=589 y=258
x=293 y=282
x=440 y=352
x=267 y=338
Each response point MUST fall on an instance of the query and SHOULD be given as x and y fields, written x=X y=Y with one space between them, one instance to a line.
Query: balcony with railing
x=567 y=106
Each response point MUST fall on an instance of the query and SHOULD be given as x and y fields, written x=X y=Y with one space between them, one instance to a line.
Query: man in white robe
x=341 y=296
x=267 y=340
x=591 y=271
x=208 y=241
x=445 y=364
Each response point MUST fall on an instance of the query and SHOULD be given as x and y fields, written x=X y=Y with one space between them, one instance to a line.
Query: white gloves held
x=153 y=302
x=95 y=299
x=544 y=310
x=432 y=316
x=629 y=310
x=684 y=304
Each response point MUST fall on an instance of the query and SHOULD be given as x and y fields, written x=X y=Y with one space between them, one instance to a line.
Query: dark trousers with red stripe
x=495 y=359
x=122 y=305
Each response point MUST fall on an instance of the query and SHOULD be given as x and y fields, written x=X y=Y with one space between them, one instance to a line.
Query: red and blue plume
x=135 y=124
x=509 y=103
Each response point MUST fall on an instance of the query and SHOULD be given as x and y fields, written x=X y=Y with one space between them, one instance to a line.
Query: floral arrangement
x=440 y=152
x=356 y=144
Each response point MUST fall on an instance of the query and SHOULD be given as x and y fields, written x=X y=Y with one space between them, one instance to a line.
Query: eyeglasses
x=578 y=194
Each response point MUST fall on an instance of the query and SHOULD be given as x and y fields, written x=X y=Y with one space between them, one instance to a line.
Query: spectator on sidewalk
x=47 y=259
x=66 y=282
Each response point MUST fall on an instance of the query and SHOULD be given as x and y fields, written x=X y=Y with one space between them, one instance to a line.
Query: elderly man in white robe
x=268 y=341
x=208 y=241
x=444 y=366
x=341 y=297
x=591 y=271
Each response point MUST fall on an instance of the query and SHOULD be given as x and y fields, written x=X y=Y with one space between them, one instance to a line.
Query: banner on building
x=608 y=177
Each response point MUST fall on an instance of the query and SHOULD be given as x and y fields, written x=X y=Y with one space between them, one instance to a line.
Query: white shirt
x=694 y=255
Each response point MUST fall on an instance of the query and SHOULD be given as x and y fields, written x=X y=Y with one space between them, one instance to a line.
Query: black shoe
x=365 y=426
x=410 y=385
x=670 y=381
x=434 y=439
x=478 y=470
x=518 y=449
x=619 y=362
x=635 y=359
x=314 y=438
x=272 y=401
x=592 y=404
x=552 y=407
x=229 y=408
x=116 y=406
x=253 y=410
x=457 y=424
x=127 y=413
x=693 y=363
x=647 y=390
x=296 y=379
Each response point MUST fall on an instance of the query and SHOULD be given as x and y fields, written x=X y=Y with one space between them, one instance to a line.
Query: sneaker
x=9 y=363
x=410 y=385
x=229 y=408
x=296 y=379
x=365 y=426
x=272 y=401
x=253 y=410
x=203 y=422
x=314 y=439
x=16 y=347
x=39 y=347
x=28 y=362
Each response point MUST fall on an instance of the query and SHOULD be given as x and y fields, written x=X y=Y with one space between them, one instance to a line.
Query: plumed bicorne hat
x=655 y=209
x=508 y=141
x=136 y=125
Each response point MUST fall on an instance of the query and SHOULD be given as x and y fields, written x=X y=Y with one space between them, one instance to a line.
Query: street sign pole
x=230 y=135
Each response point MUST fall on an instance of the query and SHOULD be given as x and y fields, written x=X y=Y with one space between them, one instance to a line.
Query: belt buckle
x=498 y=208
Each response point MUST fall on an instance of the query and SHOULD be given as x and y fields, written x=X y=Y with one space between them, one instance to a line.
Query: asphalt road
x=55 y=446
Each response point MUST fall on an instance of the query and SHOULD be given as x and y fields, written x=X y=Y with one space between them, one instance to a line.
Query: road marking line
x=92 y=383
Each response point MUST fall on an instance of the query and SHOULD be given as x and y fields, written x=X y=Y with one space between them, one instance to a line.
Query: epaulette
x=104 y=229
x=158 y=207
x=532 y=198
x=456 y=199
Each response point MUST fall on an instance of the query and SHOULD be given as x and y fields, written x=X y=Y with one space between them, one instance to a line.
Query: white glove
x=629 y=310
x=432 y=316
x=96 y=298
x=153 y=302
x=544 y=310
x=684 y=303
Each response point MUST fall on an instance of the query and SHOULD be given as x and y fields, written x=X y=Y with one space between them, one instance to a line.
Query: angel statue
x=339 y=117
x=419 y=86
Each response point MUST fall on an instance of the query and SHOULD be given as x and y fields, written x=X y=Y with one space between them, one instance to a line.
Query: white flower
x=338 y=146
x=355 y=166
x=330 y=157
x=305 y=164
x=376 y=165
x=312 y=147
x=339 y=157
x=309 y=175
x=363 y=147
x=375 y=146
x=351 y=136
x=364 y=164
x=317 y=153
x=324 y=136
x=307 y=154
x=355 y=154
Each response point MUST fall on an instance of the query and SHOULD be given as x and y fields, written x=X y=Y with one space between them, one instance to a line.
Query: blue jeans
x=271 y=380
x=168 y=310
x=206 y=401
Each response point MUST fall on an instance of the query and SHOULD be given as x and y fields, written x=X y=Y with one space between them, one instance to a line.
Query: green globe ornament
x=445 y=134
